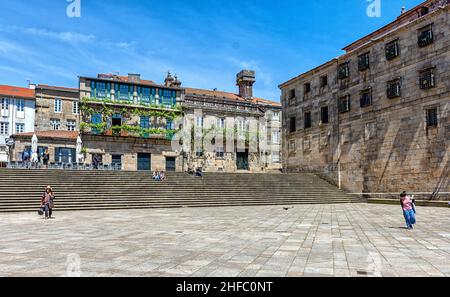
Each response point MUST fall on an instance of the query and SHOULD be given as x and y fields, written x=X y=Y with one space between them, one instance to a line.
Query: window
x=241 y=125
x=432 y=117
x=324 y=115
x=275 y=157
x=199 y=122
x=58 y=105
x=344 y=104
x=292 y=147
x=4 y=128
x=75 y=107
x=427 y=79
x=20 y=128
x=220 y=153
x=393 y=89
x=392 y=50
x=276 y=137
x=5 y=104
x=96 y=119
x=424 y=10
x=291 y=97
x=307 y=88
x=221 y=123
x=199 y=151
x=20 y=105
x=71 y=125
x=146 y=95
x=323 y=81
x=307 y=118
x=124 y=92
x=366 y=98
x=55 y=124
x=363 y=62
x=170 y=125
x=344 y=70
x=292 y=125
x=426 y=36
x=116 y=161
x=100 y=90
x=276 y=116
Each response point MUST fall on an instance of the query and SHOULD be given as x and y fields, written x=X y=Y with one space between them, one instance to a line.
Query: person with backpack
x=409 y=210
x=48 y=202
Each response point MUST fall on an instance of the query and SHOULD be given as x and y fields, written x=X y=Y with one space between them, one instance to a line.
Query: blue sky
x=205 y=42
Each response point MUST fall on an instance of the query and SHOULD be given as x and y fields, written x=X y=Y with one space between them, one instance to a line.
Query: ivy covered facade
x=122 y=111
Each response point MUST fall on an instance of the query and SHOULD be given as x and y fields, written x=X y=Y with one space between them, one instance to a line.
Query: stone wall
x=45 y=108
x=384 y=148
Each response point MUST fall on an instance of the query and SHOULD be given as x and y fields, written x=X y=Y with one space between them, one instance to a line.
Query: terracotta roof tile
x=16 y=91
x=73 y=135
x=228 y=96
x=57 y=88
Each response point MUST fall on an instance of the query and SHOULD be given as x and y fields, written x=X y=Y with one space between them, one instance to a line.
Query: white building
x=17 y=114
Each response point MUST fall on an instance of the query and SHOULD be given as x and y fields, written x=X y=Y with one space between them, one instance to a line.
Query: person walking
x=48 y=202
x=46 y=158
x=409 y=209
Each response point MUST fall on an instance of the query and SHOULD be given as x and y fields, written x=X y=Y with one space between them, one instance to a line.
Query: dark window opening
x=432 y=117
x=424 y=11
x=392 y=50
x=117 y=161
x=323 y=81
x=427 y=79
x=292 y=94
x=324 y=115
x=363 y=62
x=344 y=104
x=308 y=121
x=344 y=70
x=393 y=89
x=307 y=88
x=426 y=36
x=366 y=98
x=292 y=125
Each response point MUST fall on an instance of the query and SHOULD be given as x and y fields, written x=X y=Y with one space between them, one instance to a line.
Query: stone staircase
x=20 y=190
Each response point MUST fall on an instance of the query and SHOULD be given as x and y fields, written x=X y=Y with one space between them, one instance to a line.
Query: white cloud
x=70 y=37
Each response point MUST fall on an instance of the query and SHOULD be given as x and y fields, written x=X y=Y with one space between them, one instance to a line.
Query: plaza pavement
x=307 y=240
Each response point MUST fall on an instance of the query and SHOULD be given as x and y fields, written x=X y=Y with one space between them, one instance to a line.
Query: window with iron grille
x=292 y=125
x=427 y=79
x=344 y=104
x=324 y=115
x=323 y=81
x=363 y=62
x=392 y=50
x=71 y=125
x=344 y=70
x=426 y=36
x=308 y=122
x=307 y=88
x=432 y=117
x=55 y=124
x=366 y=98
x=393 y=89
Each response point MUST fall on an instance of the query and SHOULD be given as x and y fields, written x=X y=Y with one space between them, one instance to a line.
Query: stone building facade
x=17 y=113
x=376 y=119
x=231 y=132
x=57 y=108
x=130 y=122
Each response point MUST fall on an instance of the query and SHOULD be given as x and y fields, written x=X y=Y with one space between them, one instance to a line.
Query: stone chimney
x=245 y=80
x=134 y=78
